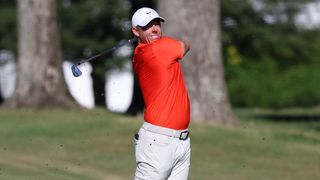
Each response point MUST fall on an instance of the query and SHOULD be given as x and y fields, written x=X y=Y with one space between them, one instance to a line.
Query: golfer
x=162 y=144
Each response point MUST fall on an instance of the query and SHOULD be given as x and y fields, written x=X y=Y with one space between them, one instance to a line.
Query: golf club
x=77 y=72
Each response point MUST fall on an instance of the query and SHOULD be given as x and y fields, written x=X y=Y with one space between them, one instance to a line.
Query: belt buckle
x=184 y=135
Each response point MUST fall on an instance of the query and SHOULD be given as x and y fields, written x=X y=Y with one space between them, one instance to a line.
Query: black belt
x=181 y=134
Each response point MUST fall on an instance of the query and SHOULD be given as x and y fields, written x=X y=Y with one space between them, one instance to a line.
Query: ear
x=135 y=32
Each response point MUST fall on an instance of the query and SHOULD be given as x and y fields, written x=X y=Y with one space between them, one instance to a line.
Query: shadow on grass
x=309 y=120
x=289 y=117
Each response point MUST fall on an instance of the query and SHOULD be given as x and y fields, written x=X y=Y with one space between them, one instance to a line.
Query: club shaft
x=106 y=51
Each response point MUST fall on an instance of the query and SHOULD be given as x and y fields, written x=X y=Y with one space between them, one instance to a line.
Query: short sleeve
x=168 y=50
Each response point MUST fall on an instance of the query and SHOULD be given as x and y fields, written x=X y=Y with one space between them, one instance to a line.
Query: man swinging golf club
x=162 y=145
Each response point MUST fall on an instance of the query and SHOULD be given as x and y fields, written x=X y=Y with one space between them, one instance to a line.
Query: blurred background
x=270 y=51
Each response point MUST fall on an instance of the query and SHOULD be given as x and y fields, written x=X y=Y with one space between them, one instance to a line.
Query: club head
x=75 y=71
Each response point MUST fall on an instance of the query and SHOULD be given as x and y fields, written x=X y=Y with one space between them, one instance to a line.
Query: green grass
x=97 y=145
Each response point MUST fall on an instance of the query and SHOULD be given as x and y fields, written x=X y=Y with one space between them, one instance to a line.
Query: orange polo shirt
x=160 y=77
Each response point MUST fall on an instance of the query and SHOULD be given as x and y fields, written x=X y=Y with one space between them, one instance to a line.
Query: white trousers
x=160 y=157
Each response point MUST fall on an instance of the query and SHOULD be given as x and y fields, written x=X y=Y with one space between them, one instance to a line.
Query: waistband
x=181 y=134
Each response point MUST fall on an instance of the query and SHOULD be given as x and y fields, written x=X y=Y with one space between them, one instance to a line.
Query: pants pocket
x=158 y=140
x=136 y=138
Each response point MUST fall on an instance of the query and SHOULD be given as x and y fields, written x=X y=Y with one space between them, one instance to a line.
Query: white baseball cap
x=143 y=16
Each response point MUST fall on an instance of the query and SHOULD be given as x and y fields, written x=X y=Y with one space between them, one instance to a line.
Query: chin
x=154 y=39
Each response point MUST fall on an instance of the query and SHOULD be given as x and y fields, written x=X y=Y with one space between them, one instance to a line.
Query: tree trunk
x=40 y=80
x=198 y=22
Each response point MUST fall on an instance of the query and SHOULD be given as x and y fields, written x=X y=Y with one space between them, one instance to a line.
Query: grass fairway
x=97 y=145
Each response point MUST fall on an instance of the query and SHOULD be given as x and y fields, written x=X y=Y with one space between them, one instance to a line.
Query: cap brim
x=145 y=24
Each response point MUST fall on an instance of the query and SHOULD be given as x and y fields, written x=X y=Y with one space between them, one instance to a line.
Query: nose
x=155 y=28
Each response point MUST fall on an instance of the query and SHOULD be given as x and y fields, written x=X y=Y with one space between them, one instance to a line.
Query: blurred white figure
x=119 y=88
x=81 y=88
x=8 y=74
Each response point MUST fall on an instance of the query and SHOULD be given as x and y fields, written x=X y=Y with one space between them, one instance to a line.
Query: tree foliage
x=262 y=48
x=88 y=27
x=8 y=25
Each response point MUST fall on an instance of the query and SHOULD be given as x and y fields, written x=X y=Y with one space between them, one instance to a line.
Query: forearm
x=185 y=47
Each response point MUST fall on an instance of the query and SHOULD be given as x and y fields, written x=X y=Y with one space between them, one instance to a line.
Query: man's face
x=149 y=33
